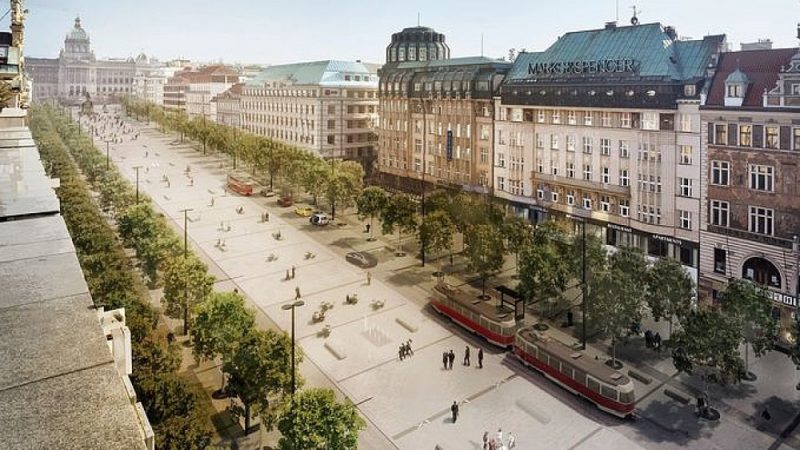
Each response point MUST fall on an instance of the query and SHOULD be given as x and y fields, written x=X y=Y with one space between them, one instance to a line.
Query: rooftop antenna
x=635 y=19
x=617 y=19
x=481 y=44
x=417 y=19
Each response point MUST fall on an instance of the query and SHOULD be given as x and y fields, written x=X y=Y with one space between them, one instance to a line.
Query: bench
x=407 y=324
x=335 y=349
x=675 y=395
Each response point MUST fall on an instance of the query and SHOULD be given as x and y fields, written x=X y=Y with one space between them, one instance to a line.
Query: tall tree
x=220 y=324
x=484 y=251
x=750 y=307
x=616 y=304
x=260 y=370
x=438 y=200
x=435 y=232
x=399 y=214
x=344 y=185
x=707 y=344
x=669 y=290
x=518 y=235
x=544 y=271
x=319 y=422
x=186 y=283
x=370 y=204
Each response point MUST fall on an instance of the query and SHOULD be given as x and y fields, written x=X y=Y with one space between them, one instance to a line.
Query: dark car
x=360 y=259
x=285 y=201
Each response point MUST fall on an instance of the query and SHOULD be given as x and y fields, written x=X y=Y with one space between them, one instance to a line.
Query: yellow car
x=304 y=211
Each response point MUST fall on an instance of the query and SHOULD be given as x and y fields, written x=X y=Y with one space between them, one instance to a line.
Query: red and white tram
x=607 y=388
x=496 y=325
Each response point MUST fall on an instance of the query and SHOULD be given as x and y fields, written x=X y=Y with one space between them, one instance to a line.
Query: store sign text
x=784 y=299
x=579 y=67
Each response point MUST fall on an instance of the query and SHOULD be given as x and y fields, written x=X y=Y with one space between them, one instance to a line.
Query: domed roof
x=738 y=77
x=417 y=44
x=142 y=58
x=77 y=33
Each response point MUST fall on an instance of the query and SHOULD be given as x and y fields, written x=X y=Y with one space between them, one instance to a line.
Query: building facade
x=436 y=115
x=77 y=73
x=149 y=82
x=751 y=152
x=228 y=106
x=205 y=84
x=604 y=127
x=326 y=107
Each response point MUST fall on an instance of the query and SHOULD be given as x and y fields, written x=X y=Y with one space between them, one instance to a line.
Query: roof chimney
x=611 y=25
x=670 y=31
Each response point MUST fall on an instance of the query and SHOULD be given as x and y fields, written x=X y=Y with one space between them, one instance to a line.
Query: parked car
x=267 y=193
x=319 y=219
x=304 y=211
x=361 y=259
x=285 y=201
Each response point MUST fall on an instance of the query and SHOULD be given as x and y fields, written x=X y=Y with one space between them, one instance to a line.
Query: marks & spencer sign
x=582 y=67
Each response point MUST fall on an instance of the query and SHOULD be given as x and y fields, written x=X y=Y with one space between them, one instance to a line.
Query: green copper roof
x=466 y=61
x=738 y=77
x=315 y=72
x=655 y=53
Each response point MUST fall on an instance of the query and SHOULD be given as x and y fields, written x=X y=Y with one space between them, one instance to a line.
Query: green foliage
x=750 y=307
x=260 y=369
x=544 y=272
x=319 y=422
x=484 y=251
x=399 y=214
x=669 y=290
x=220 y=323
x=438 y=200
x=435 y=232
x=343 y=185
x=186 y=283
x=371 y=202
x=708 y=345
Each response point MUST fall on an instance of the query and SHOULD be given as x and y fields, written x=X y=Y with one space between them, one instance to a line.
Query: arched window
x=762 y=272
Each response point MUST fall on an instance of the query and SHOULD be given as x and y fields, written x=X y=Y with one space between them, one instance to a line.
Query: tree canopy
x=319 y=422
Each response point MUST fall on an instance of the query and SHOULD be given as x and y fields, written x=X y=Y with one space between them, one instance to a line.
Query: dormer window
x=736 y=88
x=735 y=91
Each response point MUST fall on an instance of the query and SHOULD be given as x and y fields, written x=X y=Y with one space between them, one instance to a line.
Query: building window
x=554 y=168
x=720 y=173
x=485 y=132
x=501 y=183
x=685 y=155
x=734 y=90
x=624 y=179
x=554 y=197
x=484 y=155
x=685 y=220
x=540 y=165
x=625 y=120
x=540 y=194
x=761 y=177
x=556 y=117
x=772 y=140
x=539 y=140
x=606 y=175
x=685 y=187
x=761 y=220
x=605 y=147
x=624 y=208
x=720 y=213
x=587 y=172
x=605 y=119
x=570 y=170
x=570 y=142
x=796 y=139
x=587 y=118
x=571 y=120
x=650 y=121
x=745 y=135
x=624 y=149
x=570 y=198
x=587 y=144
x=501 y=159
x=587 y=202
x=554 y=141
x=685 y=123
x=605 y=203
x=720 y=260
x=331 y=139
x=540 y=116
x=721 y=134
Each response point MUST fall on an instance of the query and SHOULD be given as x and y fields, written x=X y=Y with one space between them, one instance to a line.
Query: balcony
x=624 y=191
x=755 y=237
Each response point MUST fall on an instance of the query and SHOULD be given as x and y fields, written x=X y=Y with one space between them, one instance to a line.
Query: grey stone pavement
x=406 y=403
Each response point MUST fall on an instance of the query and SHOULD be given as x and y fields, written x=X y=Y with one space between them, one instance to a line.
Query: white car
x=319 y=219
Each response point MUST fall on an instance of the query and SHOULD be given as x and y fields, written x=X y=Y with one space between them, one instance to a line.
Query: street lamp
x=292 y=306
x=584 y=288
x=108 y=158
x=185 y=230
x=136 y=168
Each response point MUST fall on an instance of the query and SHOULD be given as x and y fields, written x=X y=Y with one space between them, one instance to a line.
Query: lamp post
x=108 y=157
x=185 y=230
x=292 y=306
x=584 y=288
x=424 y=168
x=136 y=168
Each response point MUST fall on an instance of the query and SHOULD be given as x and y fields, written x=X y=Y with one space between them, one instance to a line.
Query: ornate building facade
x=750 y=156
x=76 y=72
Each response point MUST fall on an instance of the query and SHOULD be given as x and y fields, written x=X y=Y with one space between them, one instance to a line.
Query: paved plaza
x=407 y=402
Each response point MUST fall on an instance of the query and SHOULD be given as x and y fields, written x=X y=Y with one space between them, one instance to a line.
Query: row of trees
x=255 y=361
x=290 y=168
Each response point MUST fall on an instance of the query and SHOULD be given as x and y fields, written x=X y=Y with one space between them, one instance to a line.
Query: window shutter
x=710 y=132
x=758 y=136
x=786 y=136
x=733 y=134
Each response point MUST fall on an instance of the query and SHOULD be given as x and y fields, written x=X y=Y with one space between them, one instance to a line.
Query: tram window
x=608 y=392
x=545 y=358
x=593 y=385
x=626 y=397
x=566 y=369
x=533 y=350
x=580 y=376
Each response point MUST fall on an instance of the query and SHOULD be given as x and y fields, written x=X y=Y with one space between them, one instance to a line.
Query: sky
x=279 y=32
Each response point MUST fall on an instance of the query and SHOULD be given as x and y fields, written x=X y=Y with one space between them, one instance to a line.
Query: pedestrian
x=368 y=228
x=297 y=292
x=454 y=411
x=766 y=415
x=480 y=358
x=450 y=358
x=657 y=341
x=648 y=339
x=369 y=278
x=466 y=356
x=701 y=406
x=293 y=272
x=485 y=440
x=408 y=348
x=266 y=216
x=499 y=437
x=512 y=441
x=444 y=359
x=492 y=445
x=287 y=274
x=402 y=351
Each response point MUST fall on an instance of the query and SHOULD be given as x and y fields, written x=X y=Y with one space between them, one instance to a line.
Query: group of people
x=109 y=127
x=497 y=442
x=449 y=356
x=652 y=340
x=405 y=350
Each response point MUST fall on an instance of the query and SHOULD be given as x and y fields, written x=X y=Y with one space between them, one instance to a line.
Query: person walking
x=480 y=358
x=293 y=272
x=297 y=292
x=444 y=359
x=454 y=411
x=485 y=440
x=402 y=351
x=369 y=278
x=512 y=441
x=408 y=348
x=450 y=358
x=499 y=436
x=466 y=356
